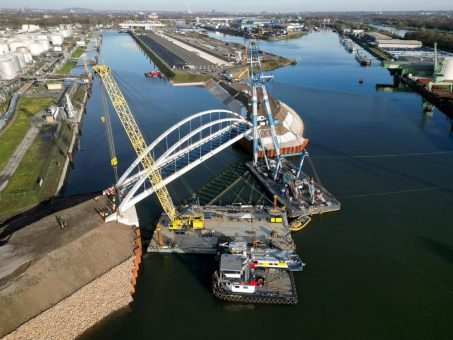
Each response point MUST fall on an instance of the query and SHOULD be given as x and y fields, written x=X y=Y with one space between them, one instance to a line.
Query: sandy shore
x=74 y=315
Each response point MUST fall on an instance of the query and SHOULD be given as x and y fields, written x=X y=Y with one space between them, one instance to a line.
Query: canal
x=380 y=268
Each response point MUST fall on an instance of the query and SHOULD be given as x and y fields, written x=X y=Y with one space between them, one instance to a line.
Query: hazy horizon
x=239 y=5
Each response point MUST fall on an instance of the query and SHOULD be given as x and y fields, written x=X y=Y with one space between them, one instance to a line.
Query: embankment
x=57 y=281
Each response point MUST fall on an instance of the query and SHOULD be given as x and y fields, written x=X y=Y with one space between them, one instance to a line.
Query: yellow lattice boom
x=136 y=137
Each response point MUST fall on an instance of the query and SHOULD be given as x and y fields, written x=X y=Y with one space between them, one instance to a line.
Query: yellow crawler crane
x=139 y=144
x=241 y=75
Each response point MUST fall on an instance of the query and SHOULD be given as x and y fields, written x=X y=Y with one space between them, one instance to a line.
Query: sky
x=238 y=5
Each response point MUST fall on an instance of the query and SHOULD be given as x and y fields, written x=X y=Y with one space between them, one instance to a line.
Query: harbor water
x=381 y=268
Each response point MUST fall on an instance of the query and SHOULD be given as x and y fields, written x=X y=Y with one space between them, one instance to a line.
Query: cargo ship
x=348 y=45
x=362 y=58
x=246 y=277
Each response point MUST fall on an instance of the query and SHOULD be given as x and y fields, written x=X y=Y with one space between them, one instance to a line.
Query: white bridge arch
x=193 y=140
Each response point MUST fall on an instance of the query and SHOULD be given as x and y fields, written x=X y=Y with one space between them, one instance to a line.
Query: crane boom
x=136 y=137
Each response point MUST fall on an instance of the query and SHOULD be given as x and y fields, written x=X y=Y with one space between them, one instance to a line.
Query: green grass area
x=294 y=35
x=274 y=64
x=14 y=134
x=267 y=66
x=44 y=159
x=181 y=77
x=78 y=52
x=66 y=68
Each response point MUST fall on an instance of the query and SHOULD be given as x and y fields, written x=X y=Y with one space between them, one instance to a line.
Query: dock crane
x=139 y=144
x=259 y=80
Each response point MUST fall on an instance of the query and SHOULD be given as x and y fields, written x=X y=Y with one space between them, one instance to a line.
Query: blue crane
x=258 y=80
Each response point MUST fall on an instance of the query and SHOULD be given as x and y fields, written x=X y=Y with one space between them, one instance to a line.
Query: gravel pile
x=72 y=316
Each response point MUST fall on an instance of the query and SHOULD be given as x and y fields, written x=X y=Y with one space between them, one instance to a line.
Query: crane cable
x=108 y=133
x=312 y=166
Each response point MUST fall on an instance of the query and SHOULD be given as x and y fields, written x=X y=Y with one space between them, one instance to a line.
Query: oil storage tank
x=14 y=44
x=44 y=44
x=26 y=53
x=4 y=47
x=56 y=39
x=35 y=49
x=8 y=69
x=20 y=59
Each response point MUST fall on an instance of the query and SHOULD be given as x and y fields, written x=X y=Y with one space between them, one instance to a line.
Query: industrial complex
x=47 y=74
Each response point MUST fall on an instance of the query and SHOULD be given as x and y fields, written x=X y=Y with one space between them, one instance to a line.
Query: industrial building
x=386 y=42
x=374 y=37
x=17 y=49
x=399 y=44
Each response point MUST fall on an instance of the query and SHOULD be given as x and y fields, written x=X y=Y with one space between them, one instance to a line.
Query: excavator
x=125 y=115
x=241 y=75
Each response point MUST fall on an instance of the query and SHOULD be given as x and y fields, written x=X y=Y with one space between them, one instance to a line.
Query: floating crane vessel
x=295 y=190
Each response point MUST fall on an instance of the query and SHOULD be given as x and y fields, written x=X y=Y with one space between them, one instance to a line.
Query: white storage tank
x=56 y=39
x=44 y=44
x=26 y=54
x=7 y=67
x=447 y=68
x=32 y=28
x=16 y=62
x=20 y=59
x=13 y=45
x=66 y=27
x=35 y=49
x=22 y=50
x=4 y=47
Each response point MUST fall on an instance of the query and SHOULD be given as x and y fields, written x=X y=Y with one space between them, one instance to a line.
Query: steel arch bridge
x=181 y=148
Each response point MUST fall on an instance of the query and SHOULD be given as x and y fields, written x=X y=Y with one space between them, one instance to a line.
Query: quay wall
x=163 y=67
x=75 y=135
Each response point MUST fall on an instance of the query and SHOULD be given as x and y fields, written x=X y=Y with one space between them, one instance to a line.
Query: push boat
x=249 y=275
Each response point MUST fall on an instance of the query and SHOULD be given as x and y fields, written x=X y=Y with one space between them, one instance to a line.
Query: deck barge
x=249 y=224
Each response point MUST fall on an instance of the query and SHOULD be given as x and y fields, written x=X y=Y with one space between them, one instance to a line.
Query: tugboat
x=153 y=74
x=362 y=59
x=247 y=277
